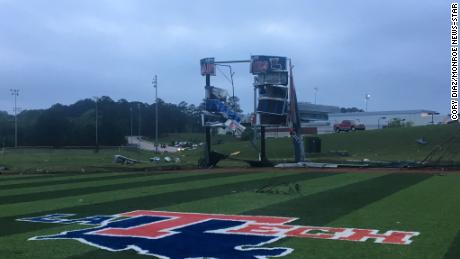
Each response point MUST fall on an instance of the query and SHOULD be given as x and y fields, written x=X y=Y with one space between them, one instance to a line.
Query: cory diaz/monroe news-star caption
x=454 y=62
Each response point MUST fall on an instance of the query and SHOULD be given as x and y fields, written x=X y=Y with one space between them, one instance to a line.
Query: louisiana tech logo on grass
x=193 y=235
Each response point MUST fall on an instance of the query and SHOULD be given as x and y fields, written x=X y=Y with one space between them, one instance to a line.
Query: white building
x=380 y=119
x=323 y=117
x=320 y=119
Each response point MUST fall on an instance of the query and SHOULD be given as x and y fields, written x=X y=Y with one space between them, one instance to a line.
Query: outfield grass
x=397 y=144
x=427 y=203
x=392 y=144
x=48 y=160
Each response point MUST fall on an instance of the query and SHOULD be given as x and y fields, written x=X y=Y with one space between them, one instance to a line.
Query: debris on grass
x=421 y=141
x=155 y=159
x=306 y=164
x=124 y=160
x=283 y=189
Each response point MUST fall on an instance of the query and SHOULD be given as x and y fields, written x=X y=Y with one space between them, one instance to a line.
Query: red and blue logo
x=194 y=235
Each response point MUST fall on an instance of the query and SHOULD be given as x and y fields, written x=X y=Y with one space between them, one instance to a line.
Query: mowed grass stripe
x=103 y=186
x=321 y=208
x=430 y=207
x=80 y=179
x=240 y=201
x=126 y=191
x=13 y=178
x=15 y=193
x=46 y=178
x=454 y=250
x=192 y=192
x=237 y=203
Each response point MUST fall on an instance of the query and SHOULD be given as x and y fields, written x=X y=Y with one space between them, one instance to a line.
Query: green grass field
x=427 y=203
x=392 y=144
x=397 y=144
x=85 y=183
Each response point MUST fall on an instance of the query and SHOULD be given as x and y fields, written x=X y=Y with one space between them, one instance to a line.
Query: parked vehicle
x=348 y=125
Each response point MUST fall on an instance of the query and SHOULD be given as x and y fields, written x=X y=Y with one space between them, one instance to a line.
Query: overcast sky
x=58 y=51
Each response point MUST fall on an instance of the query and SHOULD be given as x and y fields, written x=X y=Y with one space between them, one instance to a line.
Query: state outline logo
x=173 y=235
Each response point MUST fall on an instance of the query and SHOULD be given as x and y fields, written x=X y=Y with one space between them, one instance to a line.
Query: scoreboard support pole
x=263 y=154
x=207 y=147
x=207 y=131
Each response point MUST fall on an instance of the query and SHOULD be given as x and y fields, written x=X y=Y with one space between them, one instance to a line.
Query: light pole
x=367 y=97
x=155 y=85
x=316 y=92
x=15 y=93
x=96 y=100
x=231 y=81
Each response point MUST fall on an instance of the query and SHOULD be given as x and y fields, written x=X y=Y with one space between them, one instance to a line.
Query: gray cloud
x=62 y=51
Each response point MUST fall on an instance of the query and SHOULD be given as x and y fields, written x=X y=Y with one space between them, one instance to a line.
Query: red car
x=348 y=125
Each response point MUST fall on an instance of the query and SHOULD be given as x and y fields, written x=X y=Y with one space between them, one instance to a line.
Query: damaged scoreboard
x=218 y=111
x=271 y=93
x=271 y=80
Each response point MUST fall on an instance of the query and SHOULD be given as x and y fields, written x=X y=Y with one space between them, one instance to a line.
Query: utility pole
x=155 y=84
x=15 y=93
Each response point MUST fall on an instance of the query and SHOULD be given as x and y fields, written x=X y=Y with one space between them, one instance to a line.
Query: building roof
x=346 y=114
x=306 y=107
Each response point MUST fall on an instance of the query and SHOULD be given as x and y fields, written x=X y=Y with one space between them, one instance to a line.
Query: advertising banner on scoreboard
x=207 y=66
x=272 y=78
x=267 y=64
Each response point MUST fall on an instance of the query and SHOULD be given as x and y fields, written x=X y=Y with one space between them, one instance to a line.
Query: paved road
x=147 y=145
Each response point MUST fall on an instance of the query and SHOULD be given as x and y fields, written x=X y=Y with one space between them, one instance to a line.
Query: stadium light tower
x=96 y=100
x=316 y=93
x=367 y=97
x=15 y=93
x=155 y=85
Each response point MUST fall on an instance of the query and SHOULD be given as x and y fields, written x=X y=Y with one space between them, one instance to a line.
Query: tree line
x=75 y=124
